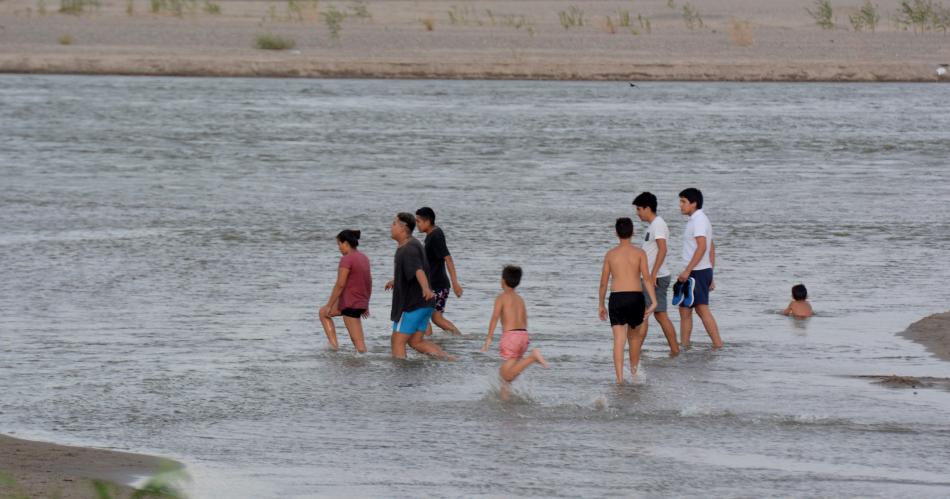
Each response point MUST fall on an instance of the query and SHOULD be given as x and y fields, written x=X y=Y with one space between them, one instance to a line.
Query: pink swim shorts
x=514 y=344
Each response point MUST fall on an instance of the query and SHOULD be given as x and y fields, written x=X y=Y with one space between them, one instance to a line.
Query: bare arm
x=450 y=265
x=650 y=291
x=495 y=315
x=602 y=295
x=660 y=258
x=697 y=256
x=788 y=309
x=424 y=282
x=341 y=276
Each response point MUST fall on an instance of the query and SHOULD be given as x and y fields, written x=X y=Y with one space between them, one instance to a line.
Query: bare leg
x=620 y=341
x=686 y=326
x=439 y=320
x=709 y=322
x=326 y=318
x=354 y=326
x=635 y=337
x=511 y=368
x=398 y=342
x=418 y=343
x=429 y=329
x=669 y=331
x=504 y=391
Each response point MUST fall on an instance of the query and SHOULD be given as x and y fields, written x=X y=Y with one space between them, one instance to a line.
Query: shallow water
x=166 y=242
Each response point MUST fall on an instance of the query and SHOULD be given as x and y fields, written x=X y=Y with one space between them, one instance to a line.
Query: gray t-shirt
x=407 y=292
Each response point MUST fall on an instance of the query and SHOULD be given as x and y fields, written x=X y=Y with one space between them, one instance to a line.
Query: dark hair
x=408 y=220
x=426 y=213
x=348 y=236
x=624 y=228
x=693 y=195
x=511 y=275
x=799 y=292
x=645 y=200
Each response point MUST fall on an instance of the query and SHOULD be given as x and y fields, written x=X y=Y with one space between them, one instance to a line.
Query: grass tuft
x=823 y=14
x=866 y=19
x=572 y=17
x=76 y=7
x=211 y=8
x=359 y=10
x=428 y=22
x=273 y=42
x=334 y=21
x=691 y=17
x=65 y=40
x=923 y=16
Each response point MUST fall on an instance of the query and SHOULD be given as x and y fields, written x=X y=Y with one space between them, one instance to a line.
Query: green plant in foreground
x=823 y=14
x=691 y=17
x=164 y=485
x=334 y=19
x=273 y=42
x=866 y=18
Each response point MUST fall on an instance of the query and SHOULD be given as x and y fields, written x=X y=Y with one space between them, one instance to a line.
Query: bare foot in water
x=536 y=355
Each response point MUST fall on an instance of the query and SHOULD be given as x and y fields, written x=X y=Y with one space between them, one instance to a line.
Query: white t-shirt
x=698 y=225
x=657 y=230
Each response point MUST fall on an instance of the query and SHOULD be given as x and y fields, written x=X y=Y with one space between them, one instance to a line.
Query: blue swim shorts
x=703 y=280
x=413 y=321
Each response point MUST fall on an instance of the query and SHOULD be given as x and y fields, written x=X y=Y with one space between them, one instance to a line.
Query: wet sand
x=741 y=40
x=932 y=332
x=39 y=469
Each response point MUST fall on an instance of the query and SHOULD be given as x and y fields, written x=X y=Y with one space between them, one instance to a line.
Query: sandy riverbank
x=741 y=40
x=43 y=470
x=932 y=332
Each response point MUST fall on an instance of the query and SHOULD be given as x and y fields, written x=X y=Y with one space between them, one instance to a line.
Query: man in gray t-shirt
x=412 y=304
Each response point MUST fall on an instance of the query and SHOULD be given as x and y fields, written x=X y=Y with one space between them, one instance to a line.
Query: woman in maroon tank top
x=351 y=293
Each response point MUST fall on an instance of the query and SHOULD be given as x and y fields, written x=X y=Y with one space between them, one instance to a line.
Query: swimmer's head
x=624 y=228
x=799 y=292
x=511 y=276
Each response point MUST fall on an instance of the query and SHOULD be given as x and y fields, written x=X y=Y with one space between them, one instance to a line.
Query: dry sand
x=932 y=332
x=740 y=40
x=42 y=470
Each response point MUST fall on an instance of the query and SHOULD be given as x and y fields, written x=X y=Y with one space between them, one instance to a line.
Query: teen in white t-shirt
x=699 y=257
x=657 y=230
x=656 y=245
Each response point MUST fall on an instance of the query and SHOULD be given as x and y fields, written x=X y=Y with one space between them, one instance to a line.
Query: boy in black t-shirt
x=439 y=259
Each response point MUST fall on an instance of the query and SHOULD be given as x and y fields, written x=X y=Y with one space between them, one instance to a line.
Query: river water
x=165 y=243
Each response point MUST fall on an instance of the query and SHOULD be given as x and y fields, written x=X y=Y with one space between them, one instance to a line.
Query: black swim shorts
x=626 y=307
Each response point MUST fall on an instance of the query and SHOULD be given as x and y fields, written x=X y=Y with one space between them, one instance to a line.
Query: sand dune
x=738 y=40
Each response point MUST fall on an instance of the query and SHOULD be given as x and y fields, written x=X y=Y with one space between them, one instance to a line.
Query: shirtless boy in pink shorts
x=509 y=307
